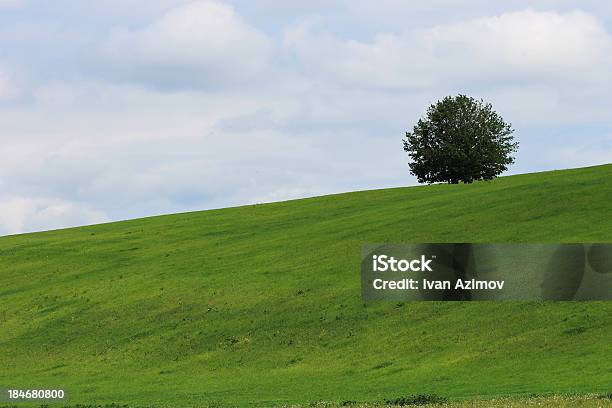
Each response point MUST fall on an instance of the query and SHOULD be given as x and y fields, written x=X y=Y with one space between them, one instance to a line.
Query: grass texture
x=260 y=305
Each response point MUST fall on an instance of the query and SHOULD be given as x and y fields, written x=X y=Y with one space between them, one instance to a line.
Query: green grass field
x=260 y=305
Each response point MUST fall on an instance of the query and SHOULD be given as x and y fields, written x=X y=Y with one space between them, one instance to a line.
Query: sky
x=129 y=108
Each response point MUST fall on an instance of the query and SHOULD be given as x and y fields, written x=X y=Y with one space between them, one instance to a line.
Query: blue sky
x=127 y=108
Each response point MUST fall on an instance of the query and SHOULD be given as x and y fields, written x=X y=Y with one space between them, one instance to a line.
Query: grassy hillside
x=261 y=304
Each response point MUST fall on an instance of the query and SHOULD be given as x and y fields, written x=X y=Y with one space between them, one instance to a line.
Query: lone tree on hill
x=460 y=139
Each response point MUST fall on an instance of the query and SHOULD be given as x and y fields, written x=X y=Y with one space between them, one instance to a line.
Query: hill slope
x=261 y=304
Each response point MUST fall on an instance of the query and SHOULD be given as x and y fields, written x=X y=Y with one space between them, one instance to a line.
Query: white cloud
x=132 y=152
x=528 y=41
x=201 y=43
x=516 y=46
x=23 y=214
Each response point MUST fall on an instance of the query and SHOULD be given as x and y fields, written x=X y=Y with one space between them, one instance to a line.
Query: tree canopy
x=460 y=139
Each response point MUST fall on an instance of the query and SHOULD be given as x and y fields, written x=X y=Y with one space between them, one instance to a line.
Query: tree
x=460 y=139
